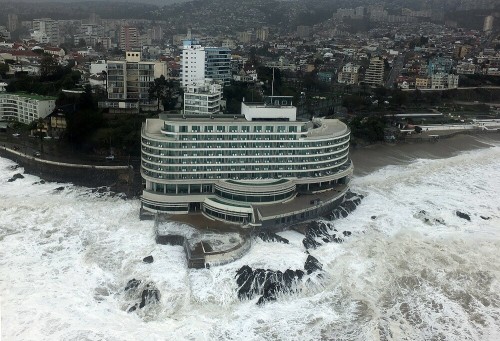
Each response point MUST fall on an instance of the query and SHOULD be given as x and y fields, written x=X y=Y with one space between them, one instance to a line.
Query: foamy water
x=66 y=256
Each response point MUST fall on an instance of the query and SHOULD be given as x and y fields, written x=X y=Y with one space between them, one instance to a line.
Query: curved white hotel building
x=263 y=168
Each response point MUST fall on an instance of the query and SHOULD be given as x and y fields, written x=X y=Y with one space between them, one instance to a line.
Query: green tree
x=49 y=68
x=160 y=90
x=4 y=68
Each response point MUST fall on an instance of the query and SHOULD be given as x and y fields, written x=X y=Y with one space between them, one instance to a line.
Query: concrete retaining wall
x=121 y=178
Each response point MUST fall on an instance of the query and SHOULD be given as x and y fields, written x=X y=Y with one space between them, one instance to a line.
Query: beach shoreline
x=370 y=158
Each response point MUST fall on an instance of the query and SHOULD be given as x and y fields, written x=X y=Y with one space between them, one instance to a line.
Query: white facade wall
x=261 y=111
x=25 y=108
x=98 y=67
x=193 y=64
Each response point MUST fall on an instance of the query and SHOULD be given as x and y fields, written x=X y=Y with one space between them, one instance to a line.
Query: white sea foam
x=66 y=256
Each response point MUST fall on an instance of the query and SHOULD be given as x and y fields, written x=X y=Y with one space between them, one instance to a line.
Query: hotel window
x=221 y=129
x=209 y=129
x=183 y=129
x=195 y=128
x=257 y=129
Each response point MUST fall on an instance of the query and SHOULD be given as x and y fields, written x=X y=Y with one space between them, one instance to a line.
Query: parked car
x=36 y=154
x=110 y=157
x=16 y=134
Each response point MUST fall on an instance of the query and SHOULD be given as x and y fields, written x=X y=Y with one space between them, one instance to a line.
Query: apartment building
x=200 y=62
x=203 y=99
x=128 y=84
x=48 y=29
x=374 y=76
x=349 y=74
x=25 y=108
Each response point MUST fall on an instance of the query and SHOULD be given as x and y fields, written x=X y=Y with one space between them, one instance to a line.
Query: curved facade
x=249 y=172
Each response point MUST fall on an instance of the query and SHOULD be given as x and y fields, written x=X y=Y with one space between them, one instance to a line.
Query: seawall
x=119 y=178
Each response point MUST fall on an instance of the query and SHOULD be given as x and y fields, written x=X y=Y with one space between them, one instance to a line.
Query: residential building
x=128 y=84
x=218 y=64
x=12 y=22
x=488 y=23
x=48 y=28
x=443 y=80
x=25 y=108
x=467 y=68
x=349 y=74
x=129 y=38
x=203 y=99
x=200 y=62
x=243 y=169
x=89 y=33
x=374 y=76
x=422 y=83
x=262 y=34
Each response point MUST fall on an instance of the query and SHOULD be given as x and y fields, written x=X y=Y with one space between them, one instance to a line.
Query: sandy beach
x=370 y=158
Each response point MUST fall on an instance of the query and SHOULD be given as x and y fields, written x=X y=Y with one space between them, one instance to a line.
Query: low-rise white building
x=203 y=99
x=25 y=108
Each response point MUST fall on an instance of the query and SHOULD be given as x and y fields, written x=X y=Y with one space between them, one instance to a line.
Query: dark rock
x=268 y=236
x=149 y=295
x=288 y=277
x=15 y=177
x=148 y=259
x=310 y=243
x=312 y=264
x=374 y=217
x=347 y=233
x=463 y=215
x=269 y=293
x=14 y=167
x=132 y=284
x=132 y=308
x=59 y=188
x=485 y=218
x=349 y=206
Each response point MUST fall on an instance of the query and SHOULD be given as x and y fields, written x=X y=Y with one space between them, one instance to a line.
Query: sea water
x=67 y=254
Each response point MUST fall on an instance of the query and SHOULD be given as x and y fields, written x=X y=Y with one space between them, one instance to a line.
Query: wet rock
x=132 y=308
x=15 y=177
x=463 y=215
x=150 y=295
x=485 y=218
x=426 y=218
x=148 y=259
x=41 y=182
x=312 y=264
x=59 y=188
x=13 y=167
x=310 y=243
x=270 y=292
x=349 y=206
x=347 y=233
x=132 y=284
x=265 y=282
x=271 y=237
x=374 y=217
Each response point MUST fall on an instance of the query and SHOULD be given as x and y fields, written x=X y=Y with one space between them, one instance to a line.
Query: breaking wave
x=411 y=270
